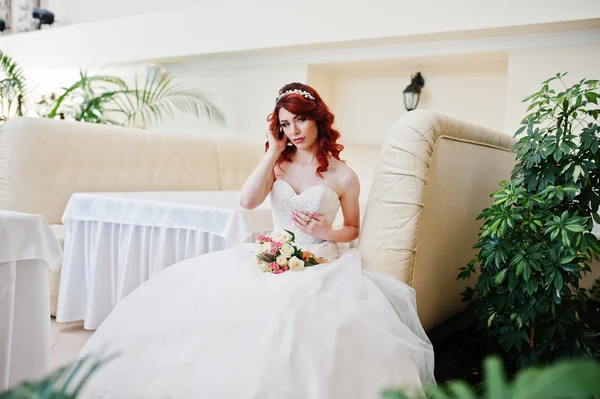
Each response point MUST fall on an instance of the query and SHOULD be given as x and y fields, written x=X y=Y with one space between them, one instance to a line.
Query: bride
x=215 y=326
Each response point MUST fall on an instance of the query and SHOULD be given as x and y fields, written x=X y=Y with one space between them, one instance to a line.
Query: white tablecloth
x=116 y=241
x=27 y=249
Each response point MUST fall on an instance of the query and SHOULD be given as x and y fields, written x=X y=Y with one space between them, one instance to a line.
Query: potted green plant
x=535 y=243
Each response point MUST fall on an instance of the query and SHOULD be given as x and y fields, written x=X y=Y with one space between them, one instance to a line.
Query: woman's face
x=301 y=131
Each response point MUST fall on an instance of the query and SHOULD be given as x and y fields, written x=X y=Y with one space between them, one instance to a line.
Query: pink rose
x=261 y=238
x=268 y=239
x=285 y=268
x=274 y=266
x=273 y=251
x=277 y=244
x=278 y=272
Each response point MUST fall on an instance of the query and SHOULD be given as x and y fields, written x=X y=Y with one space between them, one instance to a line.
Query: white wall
x=238 y=25
x=367 y=104
x=528 y=69
x=322 y=81
x=365 y=98
x=245 y=95
x=69 y=12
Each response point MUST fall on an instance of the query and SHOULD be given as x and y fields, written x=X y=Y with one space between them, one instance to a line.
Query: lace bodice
x=320 y=199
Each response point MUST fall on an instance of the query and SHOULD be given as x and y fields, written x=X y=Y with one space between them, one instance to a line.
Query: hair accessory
x=303 y=93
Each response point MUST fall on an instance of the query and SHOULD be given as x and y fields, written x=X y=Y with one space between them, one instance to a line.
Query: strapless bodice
x=320 y=199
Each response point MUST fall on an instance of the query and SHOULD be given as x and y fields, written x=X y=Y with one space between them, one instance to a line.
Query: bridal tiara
x=303 y=93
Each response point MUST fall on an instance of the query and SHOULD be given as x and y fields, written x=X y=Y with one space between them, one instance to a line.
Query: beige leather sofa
x=425 y=186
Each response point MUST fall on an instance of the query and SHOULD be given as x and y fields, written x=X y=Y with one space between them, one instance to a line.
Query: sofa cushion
x=237 y=158
x=44 y=161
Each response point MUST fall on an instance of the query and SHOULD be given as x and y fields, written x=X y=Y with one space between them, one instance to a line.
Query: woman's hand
x=313 y=224
x=275 y=144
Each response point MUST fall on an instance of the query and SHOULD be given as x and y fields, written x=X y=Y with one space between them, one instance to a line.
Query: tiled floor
x=67 y=340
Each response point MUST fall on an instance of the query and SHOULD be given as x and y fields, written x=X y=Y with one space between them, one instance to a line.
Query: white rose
x=262 y=266
x=286 y=250
x=282 y=236
x=295 y=263
x=281 y=260
x=265 y=247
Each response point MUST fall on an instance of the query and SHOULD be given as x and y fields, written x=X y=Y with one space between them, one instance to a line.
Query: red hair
x=315 y=110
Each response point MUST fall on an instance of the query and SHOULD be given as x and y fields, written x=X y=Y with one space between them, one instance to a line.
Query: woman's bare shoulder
x=346 y=176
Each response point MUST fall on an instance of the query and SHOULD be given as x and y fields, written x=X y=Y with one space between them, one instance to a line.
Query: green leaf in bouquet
x=293 y=239
x=268 y=258
x=311 y=262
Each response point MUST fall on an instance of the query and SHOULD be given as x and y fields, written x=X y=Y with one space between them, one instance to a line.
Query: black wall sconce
x=44 y=17
x=412 y=93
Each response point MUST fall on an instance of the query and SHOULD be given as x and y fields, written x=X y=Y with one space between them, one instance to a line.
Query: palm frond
x=114 y=80
x=12 y=70
x=94 y=107
x=100 y=97
x=86 y=85
x=13 y=87
x=157 y=98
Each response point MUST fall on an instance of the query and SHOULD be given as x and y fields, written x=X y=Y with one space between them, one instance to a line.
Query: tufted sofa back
x=43 y=162
x=433 y=178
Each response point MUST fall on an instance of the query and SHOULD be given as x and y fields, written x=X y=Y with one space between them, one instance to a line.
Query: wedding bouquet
x=277 y=253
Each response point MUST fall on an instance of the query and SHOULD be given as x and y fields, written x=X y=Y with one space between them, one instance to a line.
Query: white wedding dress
x=216 y=327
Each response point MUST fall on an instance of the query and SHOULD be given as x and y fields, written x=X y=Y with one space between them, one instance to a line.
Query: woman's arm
x=259 y=183
x=350 y=211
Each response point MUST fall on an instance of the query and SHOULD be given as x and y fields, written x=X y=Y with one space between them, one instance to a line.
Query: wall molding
x=390 y=52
